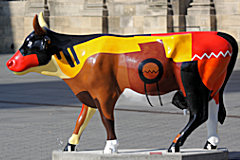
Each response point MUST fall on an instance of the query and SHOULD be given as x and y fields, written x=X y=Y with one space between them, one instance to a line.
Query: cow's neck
x=68 y=58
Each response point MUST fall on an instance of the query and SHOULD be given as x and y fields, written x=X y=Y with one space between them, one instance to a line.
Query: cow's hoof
x=70 y=147
x=111 y=147
x=174 y=148
x=209 y=146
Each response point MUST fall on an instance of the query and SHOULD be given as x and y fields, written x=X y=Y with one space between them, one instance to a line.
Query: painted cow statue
x=99 y=67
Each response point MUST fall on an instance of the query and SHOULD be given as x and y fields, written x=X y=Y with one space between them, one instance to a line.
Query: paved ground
x=38 y=113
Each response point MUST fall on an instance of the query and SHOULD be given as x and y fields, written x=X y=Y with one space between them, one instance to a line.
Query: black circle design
x=160 y=70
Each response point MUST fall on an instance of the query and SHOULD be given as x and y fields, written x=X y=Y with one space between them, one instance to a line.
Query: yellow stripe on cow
x=177 y=47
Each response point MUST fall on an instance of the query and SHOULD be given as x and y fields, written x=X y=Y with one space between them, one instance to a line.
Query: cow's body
x=123 y=62
x=128 y=52
x=98 y=68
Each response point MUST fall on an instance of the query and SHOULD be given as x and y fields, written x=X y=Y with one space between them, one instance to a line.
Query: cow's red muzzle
x=20 y=63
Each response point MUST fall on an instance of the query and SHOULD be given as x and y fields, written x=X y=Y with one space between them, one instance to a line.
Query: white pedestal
x=143 y=154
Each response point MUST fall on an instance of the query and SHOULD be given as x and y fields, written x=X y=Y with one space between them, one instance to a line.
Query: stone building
x=117 y=17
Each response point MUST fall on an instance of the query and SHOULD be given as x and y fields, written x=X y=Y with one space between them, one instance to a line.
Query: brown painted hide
x=96 y=83
x=104 y=76
x=150 y=70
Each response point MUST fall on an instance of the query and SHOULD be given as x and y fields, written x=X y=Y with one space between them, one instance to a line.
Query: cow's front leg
x=106 y=109
x=82 y=122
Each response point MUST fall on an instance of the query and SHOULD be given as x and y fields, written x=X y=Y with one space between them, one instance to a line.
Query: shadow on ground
x=45 y=93
x=234 y=155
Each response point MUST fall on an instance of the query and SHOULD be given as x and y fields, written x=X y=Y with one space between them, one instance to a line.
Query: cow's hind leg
x=197 y=96
x=212 y=123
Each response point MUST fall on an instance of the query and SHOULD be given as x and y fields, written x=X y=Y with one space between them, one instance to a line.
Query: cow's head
x=35 y=49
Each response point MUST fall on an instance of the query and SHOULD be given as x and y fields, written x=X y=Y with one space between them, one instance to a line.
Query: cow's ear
x=37 y=28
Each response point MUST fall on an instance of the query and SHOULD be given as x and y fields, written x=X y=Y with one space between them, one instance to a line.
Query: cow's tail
x=232 y=41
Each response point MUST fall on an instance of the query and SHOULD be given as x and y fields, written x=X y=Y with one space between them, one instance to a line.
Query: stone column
x=32 y=7
x=201 y=16
x=105 y=18
x=179 y=13
x=138 y=16
x=46 y=12
x=76 y=16
x=228 y=17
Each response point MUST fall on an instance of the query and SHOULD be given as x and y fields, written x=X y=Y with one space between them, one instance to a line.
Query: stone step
x=199 y=11
x=157 y=4
x=201 y=1
x=225 y=1
x=157 y=11
x=201 y=4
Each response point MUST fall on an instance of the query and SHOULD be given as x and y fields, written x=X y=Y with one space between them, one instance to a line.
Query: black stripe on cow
x=58 y=56
x=68 y=58
x=74 y=55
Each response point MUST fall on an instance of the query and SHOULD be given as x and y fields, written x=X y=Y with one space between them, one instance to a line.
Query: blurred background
x=38 y=113
x=117 y=17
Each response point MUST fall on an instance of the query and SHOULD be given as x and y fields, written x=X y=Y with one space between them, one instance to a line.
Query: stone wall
x=179 y=12
x=228 y=17
x=76 y=17
x=123 y=16
x=117 y=17
x=83 y=17
x=201 y=16
x=138 y=16
x=11 y=25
